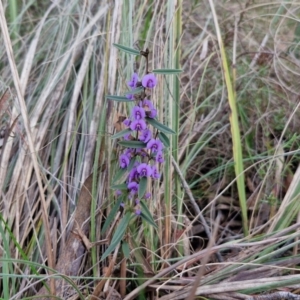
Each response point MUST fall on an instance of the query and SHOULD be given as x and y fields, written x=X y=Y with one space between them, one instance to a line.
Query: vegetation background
x=227 y=206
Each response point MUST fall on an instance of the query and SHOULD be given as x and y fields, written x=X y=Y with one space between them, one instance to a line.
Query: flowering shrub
x=144 y=141
x=148 y=156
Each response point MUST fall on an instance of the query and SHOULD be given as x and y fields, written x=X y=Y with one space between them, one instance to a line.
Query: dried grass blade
x=290 y=205
x=32 y=51
x=24 y=113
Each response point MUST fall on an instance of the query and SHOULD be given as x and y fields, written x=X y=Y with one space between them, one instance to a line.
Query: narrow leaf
x=167 y=71
x=146 y=215
x=112 y=214
x=122 y=228
x=132 y=163
x=118 y=98
x=121 y=133
x=119 y=233
x=127 y=49
x=165 y=140
x=142 y=187
x=136 y=91
x=160 y=126
x=122 y=186
x=132 y=144
x=125 y=249
x=119 y=175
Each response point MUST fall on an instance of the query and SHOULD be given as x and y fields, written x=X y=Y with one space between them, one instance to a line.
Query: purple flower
x=152 y=113
x=159 y=157
x=127 y=136
x=141 y=152
x=124 y=161
x=144 y=170
x=133 y=175
x=127 y=122
x=134 y=79
x=147 y=196
x=147 y=104
x=118 y=193
x=128 y=152
x=130 y=96
x=122 y=204
x=146 y=135
x=137 y=201
x=138 y=113
x=133 y=187
x=155 y=173
x=137 y=211
x=155 y=145
x=138 y=125
x=149 y=81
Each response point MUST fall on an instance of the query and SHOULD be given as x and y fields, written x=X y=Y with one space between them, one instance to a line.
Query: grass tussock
x=227 y=205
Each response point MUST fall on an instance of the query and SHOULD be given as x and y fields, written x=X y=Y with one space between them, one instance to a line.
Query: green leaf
x=119 y=175
x=122 y=186
x=119 y=233
x=112 y=214
x=121 y=133
x=125 y=249
x=127 y=49
x=165 y=140
x=136 y=91
x=118 y=98
x=146 y=215
x=167 y=71
x=132 y=163
x=132 y=144
x=142 y=187
x=160 y=126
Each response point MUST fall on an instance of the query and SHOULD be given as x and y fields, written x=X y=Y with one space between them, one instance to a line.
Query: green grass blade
x=235 y=131
x=167 y=71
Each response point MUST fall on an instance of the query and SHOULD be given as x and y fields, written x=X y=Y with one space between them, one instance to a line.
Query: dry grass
x=58 y=161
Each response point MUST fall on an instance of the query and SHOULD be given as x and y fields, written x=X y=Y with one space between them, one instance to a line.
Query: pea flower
x=149 y=81
x=138 y=125
x=155 y=173
x=145 y=135
x=146 y=104
x=127 y=122
x=124 y=161
x=134 y=79
x=133 y=175
x=130 y=96
x=138 y=113
x=147 y=196
x=152 y=113
x=127 y=137
x=118 y=193
x=133 y=187
x=155 y=145
x=144 y=170
x=159 y=157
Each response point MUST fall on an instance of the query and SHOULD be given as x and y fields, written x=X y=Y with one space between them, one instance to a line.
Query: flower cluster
x=141 y=161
